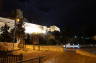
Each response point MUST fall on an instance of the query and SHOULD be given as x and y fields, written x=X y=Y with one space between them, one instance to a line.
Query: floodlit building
x=29 y=27
x=53 y=28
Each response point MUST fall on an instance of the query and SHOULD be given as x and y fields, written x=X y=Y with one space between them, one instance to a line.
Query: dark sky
x=77 y=15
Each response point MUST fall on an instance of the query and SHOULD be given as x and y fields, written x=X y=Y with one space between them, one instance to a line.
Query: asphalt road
x=70 y=56
x=58 y=54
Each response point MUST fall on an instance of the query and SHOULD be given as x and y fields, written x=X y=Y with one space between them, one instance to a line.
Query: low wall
x=45 y=48
x=8 y=46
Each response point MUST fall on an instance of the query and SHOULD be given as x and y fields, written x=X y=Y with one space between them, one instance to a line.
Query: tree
x=5 y=35
x=28 y=39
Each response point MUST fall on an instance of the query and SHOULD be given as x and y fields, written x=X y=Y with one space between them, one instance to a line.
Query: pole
x=14 y=34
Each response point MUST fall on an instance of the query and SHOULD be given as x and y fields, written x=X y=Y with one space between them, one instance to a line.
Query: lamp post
x=19 y=30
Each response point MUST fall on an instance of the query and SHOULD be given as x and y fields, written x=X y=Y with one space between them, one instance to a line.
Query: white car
x=72 y=45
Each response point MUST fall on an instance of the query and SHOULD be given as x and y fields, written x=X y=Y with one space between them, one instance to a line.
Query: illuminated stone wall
x=29 y=27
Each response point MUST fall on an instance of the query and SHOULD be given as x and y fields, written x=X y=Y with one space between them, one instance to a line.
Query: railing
x=10 y=58
x=33 y=60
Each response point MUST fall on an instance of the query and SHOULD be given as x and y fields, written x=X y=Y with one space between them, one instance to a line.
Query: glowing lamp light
x=17 y=19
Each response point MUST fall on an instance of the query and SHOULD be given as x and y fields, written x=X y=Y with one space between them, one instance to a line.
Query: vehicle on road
x=71 y=45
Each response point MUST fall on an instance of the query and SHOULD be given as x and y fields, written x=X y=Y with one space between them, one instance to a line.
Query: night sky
x=76 y=15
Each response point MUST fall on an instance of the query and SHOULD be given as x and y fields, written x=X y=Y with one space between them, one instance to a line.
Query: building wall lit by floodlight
x=35 y=28
x=53 y=28
x=29 y=27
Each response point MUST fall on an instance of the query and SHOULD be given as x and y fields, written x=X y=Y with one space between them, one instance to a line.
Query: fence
x=10 y=58
x=33 y=60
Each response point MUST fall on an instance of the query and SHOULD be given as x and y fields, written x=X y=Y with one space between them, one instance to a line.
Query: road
x=57 y=54
x=70 y=57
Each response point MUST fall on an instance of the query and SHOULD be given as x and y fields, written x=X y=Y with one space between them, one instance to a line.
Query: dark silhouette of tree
x=57 y=37
x=5 y=35
x=28 y=39
x=18 y=32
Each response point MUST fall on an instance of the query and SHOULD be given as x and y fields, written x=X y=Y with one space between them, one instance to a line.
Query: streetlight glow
x=17 y=19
